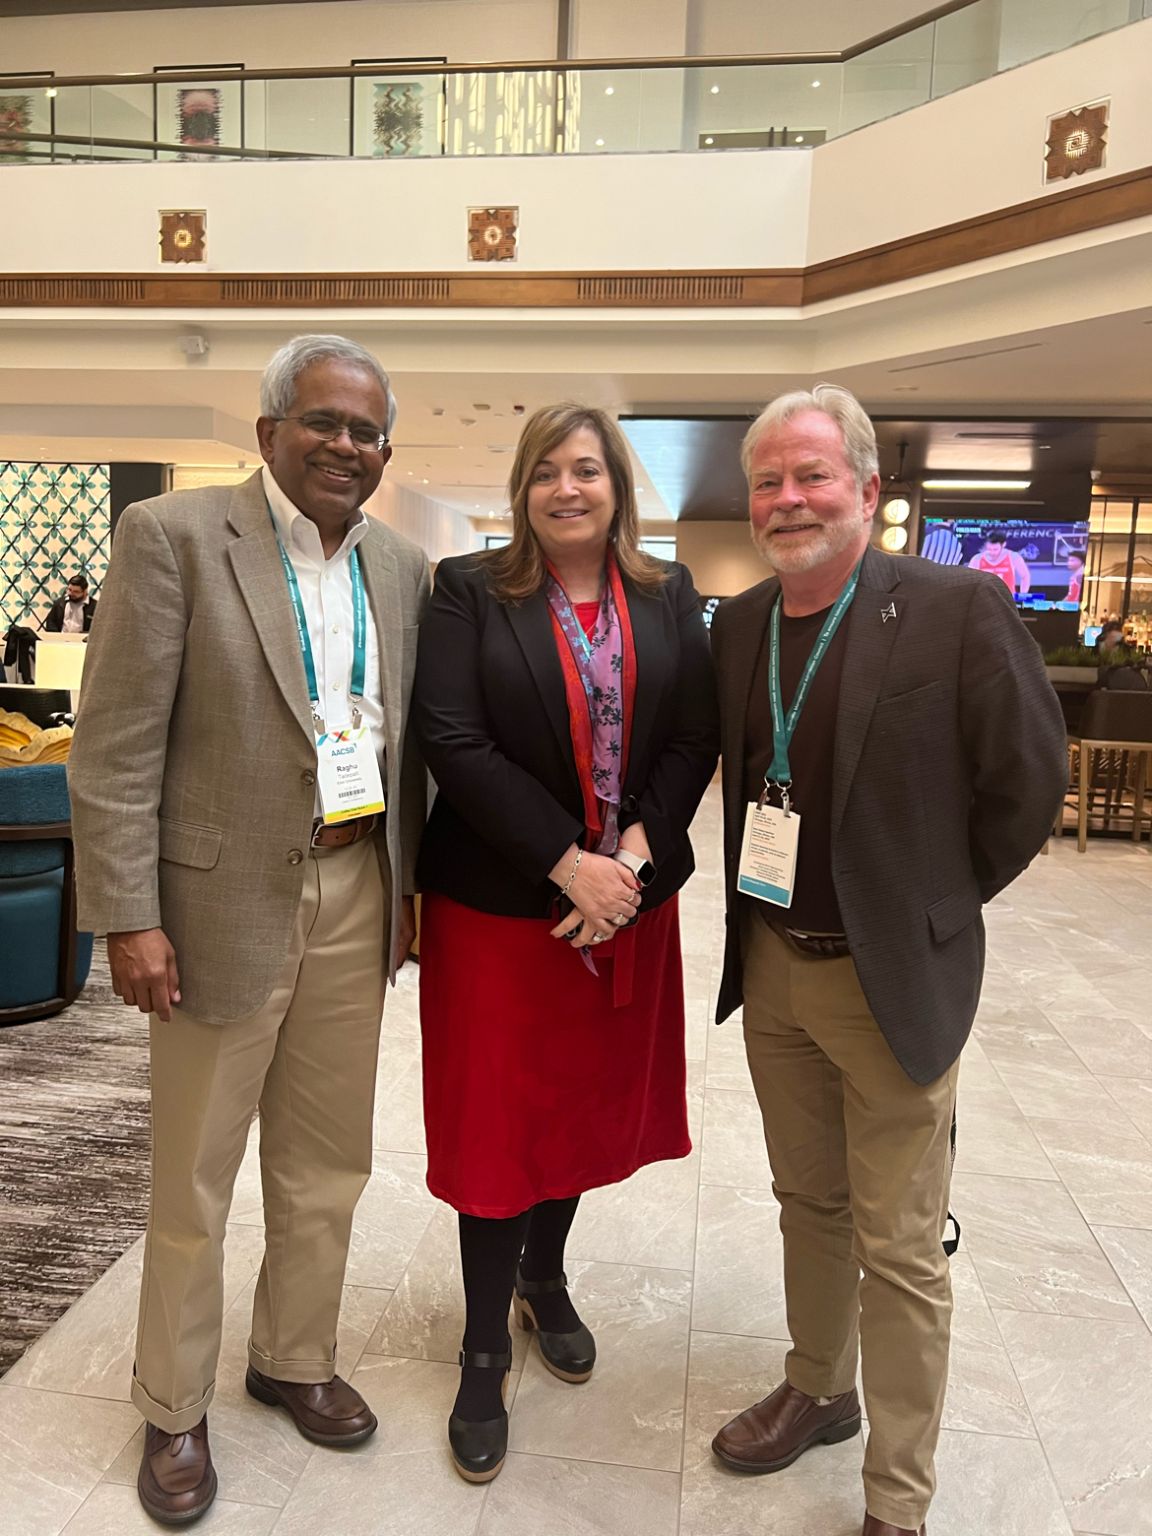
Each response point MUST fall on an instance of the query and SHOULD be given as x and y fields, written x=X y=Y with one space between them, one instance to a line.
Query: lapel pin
x=888 y=613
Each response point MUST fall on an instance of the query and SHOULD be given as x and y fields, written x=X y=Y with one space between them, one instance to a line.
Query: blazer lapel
x=742 y=651
x=873 y=623
x=382 y=586
x=260 y=577
x=646 y=614
x=532 y=625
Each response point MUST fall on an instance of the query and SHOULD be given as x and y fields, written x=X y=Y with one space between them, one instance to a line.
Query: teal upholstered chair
x=44 y=962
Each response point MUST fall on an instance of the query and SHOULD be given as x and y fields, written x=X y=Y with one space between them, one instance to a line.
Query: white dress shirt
x=73 y=618
x=326 y=592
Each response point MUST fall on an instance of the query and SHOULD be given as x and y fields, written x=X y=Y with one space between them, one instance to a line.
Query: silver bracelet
x=567 y=884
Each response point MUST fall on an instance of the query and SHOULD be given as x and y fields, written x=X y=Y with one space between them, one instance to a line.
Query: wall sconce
x=894 y=539
x=897 y=511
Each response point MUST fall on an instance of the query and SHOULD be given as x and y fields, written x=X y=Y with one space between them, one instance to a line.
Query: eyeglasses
x=328 y=429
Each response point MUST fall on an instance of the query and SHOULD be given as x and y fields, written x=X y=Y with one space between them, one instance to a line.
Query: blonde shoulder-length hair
x=518 y=570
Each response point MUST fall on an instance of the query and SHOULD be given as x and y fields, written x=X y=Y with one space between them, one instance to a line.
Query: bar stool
x=1113 y=722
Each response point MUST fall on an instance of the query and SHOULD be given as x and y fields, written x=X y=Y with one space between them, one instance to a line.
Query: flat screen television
x=1040 y=561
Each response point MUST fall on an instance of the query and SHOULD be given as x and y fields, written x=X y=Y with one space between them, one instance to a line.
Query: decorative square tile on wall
x=54 y=521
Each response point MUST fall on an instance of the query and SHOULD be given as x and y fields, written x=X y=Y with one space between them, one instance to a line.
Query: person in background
x=942 y=546
x=1075 y=563
x=1111 y=637
x=73 y=613
x=894 y=756
x=247 y=807
x=998 y=560
x=566 y=709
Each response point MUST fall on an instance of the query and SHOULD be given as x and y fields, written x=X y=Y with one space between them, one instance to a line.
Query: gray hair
x=831 y=400
x=278 y=386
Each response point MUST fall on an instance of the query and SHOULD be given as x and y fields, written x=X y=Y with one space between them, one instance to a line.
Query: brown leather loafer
x=874 y=1527
x=773 y=1433
x=328 y=1412
x=177 y=1480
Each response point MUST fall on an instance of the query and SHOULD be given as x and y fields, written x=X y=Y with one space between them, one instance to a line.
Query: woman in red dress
x=565 y=704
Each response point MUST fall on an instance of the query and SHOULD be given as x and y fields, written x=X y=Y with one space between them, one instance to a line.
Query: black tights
x=490 y=1250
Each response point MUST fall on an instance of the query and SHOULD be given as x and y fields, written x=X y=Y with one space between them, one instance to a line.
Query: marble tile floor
x=1047 y=1427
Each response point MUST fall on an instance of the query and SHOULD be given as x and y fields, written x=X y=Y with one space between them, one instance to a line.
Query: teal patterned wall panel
x=54 y=521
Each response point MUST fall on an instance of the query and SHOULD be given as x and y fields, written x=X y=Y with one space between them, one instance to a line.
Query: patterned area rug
x=74 y=1154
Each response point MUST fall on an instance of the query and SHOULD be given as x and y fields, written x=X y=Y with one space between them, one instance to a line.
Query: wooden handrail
x=508 y=66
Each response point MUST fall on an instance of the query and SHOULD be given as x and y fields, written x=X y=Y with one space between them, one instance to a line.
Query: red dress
x=541 y=1079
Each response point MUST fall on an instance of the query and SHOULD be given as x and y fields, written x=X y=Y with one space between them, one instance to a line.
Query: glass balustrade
x=611 y=109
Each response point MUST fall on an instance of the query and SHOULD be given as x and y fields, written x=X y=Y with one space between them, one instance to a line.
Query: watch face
x=646 y=873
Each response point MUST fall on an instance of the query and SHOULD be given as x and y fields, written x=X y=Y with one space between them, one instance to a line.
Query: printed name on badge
x=768 y=854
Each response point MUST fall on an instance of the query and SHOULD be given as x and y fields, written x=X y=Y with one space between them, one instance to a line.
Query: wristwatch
x=643 y=869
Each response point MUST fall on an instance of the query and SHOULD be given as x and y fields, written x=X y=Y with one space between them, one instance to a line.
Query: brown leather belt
x=825 y=946
x=342 y=834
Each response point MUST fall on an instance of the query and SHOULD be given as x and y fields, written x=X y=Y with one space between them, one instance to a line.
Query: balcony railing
x=555 y=107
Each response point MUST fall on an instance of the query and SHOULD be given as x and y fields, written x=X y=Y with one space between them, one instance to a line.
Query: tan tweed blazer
x=192 y=771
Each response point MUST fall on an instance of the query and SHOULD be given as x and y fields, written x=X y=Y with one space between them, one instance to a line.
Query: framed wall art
x=198 y=115
x=397 y=115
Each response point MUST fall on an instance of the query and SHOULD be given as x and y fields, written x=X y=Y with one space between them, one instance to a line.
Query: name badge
x=348 y=774
x=768 y=854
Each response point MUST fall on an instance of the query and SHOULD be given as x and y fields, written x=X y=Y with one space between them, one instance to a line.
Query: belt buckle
x=317 y=828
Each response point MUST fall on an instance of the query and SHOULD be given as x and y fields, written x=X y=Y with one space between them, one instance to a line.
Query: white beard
x=795 y=554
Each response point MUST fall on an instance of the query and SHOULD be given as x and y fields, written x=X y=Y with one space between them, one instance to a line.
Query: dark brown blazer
x=950 y=768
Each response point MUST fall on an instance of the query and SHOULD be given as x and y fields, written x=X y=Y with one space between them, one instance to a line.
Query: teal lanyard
x=784 y=725
x=359 y=632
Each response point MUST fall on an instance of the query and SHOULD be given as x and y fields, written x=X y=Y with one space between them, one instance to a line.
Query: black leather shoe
x=570 y=1356
x=479 y=1449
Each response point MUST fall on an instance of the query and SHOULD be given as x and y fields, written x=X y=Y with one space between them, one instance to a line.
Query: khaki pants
x=860 y=1164
x=307 y=1061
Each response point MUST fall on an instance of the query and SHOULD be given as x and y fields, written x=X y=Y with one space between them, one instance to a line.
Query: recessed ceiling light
x=709 y=141
x=51 y=93
x=715 y=90
x=609 y=90
x=976 y=485
x=799 y=138
x=815 y=85
x=599 y=143
x=424 y=481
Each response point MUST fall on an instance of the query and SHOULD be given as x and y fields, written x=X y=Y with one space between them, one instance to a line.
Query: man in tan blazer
x=238 y=627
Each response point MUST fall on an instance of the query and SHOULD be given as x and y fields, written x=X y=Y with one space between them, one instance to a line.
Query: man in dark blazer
x=74 y=611
x=925 y=765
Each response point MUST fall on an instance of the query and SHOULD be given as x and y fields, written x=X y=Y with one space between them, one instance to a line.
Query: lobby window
x=496 y=540
x=662 y=548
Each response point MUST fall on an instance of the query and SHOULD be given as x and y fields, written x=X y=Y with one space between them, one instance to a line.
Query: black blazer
x=490 y=713
x=950 y=767
x=54 y=623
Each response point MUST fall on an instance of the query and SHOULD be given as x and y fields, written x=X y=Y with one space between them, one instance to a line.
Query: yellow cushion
x=23 y=742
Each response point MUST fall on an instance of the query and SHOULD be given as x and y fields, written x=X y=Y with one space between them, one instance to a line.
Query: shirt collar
x=301 y=533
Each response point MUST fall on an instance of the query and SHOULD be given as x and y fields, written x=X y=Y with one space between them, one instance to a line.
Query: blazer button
x=629 y=803
x=295 y=857
x=308 y=777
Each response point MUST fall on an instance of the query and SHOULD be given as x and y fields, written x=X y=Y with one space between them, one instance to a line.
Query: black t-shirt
x=814 y=906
